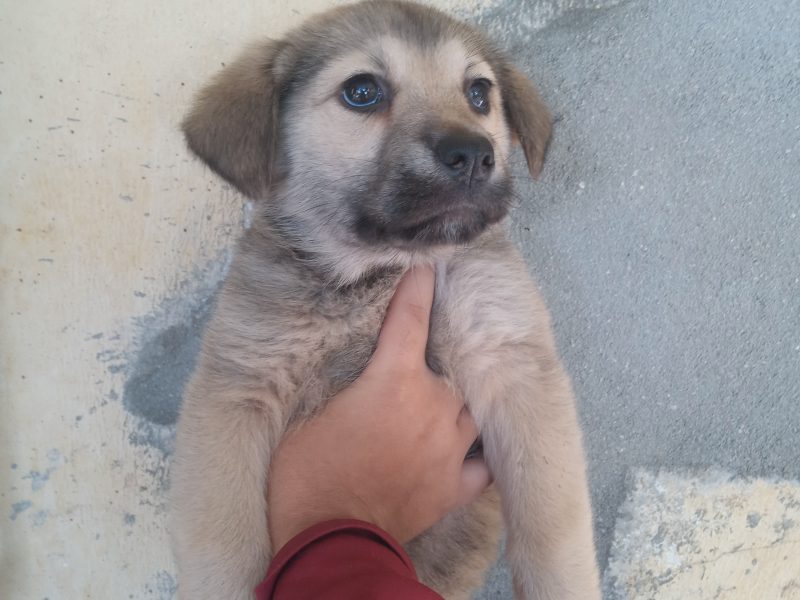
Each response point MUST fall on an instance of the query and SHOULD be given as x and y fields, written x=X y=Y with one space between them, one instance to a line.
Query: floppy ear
x=233 y=125
x=527 y=116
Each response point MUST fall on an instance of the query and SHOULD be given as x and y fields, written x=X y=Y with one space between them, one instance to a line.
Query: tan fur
x=299 y=313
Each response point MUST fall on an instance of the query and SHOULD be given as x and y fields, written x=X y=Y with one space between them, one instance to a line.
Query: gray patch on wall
x=19 y=507
x=162 y=586
x=169 y=342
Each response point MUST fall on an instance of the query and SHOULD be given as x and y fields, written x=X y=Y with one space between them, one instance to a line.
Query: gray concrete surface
x=665 y=233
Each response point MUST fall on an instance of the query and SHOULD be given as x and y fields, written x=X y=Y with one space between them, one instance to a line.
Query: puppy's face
x=387 y=124
x=409 y=143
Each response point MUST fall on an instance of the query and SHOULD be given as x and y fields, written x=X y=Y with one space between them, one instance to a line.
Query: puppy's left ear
x=234 y=123
x=526 y=114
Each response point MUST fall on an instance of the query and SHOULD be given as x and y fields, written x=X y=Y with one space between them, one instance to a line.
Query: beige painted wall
x=102 y=216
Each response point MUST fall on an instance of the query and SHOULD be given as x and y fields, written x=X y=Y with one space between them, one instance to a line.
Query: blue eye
x=362 y=92
x=478 y=95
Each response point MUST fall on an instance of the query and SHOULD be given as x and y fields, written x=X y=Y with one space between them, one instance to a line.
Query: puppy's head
x=383 y=125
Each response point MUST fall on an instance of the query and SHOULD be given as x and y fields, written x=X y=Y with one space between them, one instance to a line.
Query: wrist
x=285 y=525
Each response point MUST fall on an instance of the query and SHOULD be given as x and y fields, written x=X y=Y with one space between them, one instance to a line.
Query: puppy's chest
x=465 y=328
x=345 y=325
x=476 y=314
x=347 y=329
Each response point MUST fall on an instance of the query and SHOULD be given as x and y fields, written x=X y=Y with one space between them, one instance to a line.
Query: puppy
x=374 y=137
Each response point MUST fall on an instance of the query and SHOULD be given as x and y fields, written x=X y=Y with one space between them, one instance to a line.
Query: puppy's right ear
x=233 y=125
x=527 y=115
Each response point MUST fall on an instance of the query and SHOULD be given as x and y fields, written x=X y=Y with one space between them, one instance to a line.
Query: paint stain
x=40 y=517
x=168 y=346
x=39 y=478
x=114 y=359
x=19 y=507
x=784 y=525
x=162 y=587
x=160 y=372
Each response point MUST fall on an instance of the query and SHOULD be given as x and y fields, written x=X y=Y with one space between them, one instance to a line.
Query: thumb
x=475 y=477
x=404 y=334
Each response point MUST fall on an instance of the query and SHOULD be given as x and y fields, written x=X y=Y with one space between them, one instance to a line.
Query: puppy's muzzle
x=467 y=157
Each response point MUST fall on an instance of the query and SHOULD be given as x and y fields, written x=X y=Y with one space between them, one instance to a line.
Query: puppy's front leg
x=218 y=516
x=532 y=442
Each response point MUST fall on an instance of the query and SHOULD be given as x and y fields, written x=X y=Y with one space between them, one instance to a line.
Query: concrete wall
x=664 y=233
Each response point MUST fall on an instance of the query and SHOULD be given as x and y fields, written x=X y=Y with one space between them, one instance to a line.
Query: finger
x=404 y=334
x=475 y=477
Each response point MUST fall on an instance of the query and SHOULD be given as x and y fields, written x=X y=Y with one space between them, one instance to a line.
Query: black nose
x=466 y=156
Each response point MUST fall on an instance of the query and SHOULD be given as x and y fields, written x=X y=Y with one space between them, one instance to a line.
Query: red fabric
x=342 y=560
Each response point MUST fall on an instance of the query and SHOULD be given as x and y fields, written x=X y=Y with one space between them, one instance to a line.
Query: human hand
x=389 y=449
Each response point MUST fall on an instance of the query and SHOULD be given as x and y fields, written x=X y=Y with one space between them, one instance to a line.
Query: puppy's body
x=299 y=314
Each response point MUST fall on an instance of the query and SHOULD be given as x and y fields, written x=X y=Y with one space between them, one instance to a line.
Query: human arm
x=388 y=450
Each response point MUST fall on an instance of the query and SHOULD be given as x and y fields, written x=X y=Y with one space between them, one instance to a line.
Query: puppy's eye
x=362 y=92
x=478 y=95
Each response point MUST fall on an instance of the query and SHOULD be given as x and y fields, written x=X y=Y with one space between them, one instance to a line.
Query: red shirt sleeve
x=342 y=560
